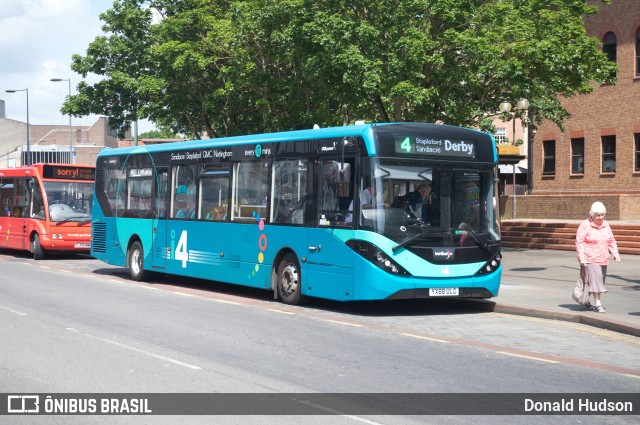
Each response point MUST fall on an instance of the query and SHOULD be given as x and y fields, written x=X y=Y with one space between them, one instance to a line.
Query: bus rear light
x=377 y=257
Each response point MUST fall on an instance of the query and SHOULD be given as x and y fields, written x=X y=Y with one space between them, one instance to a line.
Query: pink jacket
x=594 y=243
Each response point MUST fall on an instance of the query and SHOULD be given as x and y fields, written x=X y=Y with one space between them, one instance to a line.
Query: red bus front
x=46 y=207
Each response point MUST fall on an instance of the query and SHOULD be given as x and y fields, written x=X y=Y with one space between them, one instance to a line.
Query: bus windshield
x=69 y=201
x=428 y=203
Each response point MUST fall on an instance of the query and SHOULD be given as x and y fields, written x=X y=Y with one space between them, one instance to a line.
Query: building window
x=637 y=155
x=500 y=135
x=638 y=53
x=608 y=154
x=577 y=156
x=549 y=153
x=610 y=47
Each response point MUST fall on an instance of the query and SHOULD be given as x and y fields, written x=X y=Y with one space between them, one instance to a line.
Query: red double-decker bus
x=46 y=207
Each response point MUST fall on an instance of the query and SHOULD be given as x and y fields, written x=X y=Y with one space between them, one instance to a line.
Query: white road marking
x=137 y=350
x=226 y=302
x=280 y=311
x=526 y=357
x=425 y=337
x=343 y=323
x=10 y=310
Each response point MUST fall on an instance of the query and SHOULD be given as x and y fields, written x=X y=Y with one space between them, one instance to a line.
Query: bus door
x=16 y=205
x=329 y=262
x=6 y=202
x=159 y=221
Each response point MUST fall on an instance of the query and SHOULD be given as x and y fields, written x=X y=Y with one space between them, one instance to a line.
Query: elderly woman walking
x=594 y=242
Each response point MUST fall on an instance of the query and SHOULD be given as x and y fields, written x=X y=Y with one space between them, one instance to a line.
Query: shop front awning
x=509 y=169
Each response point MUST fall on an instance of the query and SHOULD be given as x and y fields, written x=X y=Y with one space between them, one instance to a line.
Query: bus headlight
x=377 y=257
x=491 y=265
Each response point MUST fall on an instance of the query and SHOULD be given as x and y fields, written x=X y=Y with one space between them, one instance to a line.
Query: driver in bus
x=419 y=202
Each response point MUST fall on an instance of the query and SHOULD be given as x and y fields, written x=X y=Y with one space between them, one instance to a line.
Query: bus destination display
x=430 y=146
x=68 y=172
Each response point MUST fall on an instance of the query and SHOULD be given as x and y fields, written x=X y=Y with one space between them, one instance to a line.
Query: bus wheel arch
x=135 y=260
x=35 y=246
x=286 y=278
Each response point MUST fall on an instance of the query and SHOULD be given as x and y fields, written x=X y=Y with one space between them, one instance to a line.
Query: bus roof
x=364 y=130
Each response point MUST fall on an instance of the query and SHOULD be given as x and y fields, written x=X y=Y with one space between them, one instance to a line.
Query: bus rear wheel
x=136 y=262
x=289 y=283
x=36 y=248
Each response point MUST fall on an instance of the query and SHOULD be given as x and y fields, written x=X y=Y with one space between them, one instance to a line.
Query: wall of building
x=570 y=206
x=87 y=141
x=13 y=134
x=611 y=110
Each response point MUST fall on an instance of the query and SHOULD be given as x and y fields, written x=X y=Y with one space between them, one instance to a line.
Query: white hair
x=597 y=208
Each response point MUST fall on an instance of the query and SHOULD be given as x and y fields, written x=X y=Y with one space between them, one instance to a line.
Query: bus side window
x=250 y=190
x=38 y=203
x=335 y=193
x=289 y=191
x=23 y=198
x=184 y=195
x=214 y=190
x=6 y=193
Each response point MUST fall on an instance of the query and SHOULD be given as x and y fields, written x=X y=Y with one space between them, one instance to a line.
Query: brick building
x=53 y=143
x=597 y=157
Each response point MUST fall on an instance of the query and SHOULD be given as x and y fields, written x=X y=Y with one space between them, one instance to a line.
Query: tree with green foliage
x=209 y=68
x=159 y=134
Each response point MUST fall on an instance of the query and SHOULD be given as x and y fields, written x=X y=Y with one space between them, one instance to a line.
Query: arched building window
x=610 y=47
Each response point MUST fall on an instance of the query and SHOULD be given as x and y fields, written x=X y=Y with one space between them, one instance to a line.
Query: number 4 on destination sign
x=406 y=144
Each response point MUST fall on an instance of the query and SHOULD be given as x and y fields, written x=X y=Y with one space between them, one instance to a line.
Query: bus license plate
x=82 y=245
x=444 y=292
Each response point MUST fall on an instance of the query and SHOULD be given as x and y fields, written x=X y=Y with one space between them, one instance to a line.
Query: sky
x=37 y=40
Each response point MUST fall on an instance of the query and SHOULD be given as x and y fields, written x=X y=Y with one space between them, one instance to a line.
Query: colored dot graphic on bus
x=262 y=244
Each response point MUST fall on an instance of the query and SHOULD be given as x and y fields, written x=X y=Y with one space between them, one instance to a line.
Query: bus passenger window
x=184 y=195
x=214 y=191
x=6 y=197
x=289 y=191
x=335 y=193
x=249 y=201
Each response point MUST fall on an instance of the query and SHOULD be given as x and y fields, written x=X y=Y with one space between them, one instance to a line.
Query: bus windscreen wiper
x=475 y=238
x=424 y=230
x=79 y=219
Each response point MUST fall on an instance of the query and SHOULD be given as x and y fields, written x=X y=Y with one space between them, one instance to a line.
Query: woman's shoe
x=600 y=309
x=588 y=306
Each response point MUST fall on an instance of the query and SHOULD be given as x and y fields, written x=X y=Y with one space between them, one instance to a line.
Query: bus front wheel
x=36 y=248
x=136 y=262
x=289 y=284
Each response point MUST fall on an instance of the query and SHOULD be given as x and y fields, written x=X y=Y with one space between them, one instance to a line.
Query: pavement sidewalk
x=539 y=283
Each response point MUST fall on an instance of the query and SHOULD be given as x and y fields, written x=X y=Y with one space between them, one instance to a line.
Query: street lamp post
x=70 y=128
x=28 y=148
x=505 y=108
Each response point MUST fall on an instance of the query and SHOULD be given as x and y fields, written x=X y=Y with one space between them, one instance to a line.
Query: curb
x=601 y=323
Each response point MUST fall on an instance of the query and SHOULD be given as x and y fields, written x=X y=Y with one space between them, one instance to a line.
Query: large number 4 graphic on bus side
x=182 y=253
